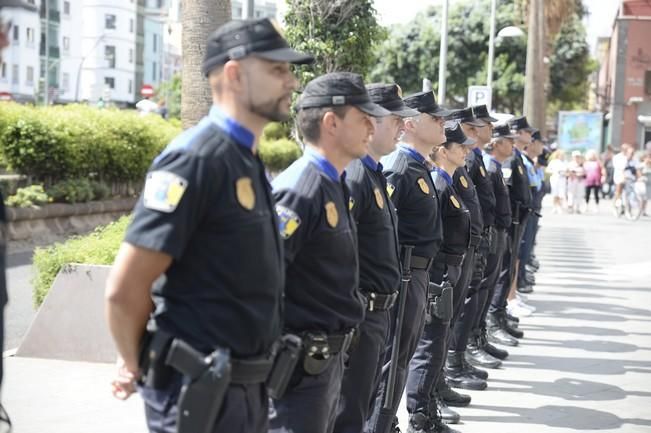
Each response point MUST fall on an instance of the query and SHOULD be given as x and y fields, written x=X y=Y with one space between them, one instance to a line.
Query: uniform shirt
x=502 y=200
x=208 y=205
x=454 y=214
x=466 y=189
x=477 y=171
x=321 y=291
x=534 y=180
x=411 y=190
x=516 y=179
x=377 y=235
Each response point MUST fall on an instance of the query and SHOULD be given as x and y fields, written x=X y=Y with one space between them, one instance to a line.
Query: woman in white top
x=575 y=183
x=557 y=168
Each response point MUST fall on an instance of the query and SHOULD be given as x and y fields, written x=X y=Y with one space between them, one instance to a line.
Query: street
x=584 y=363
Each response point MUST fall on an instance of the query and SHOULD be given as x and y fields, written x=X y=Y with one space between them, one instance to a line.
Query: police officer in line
x=496 y=153
x=322 y=300
x=412 y=192
x=205 y=221
x=379 y=260
x=515 y=174
x=426 y=365
x=458 y=372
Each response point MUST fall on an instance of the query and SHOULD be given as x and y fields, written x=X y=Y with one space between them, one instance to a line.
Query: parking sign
x=478 y=95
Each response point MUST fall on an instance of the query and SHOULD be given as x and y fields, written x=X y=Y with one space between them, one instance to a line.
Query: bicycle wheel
x=633 y=206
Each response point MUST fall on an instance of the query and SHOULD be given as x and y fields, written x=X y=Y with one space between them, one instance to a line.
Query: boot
x=496 y=332
x=530 y=278
x=418 y=423
x=459 y=377
x=513 y=319
x=447 y=415
x=525 y=288
x=489 y=348
x=394 y=426
x=472 y=370
x=450 y=396
x=477 y=356
x=512 y=331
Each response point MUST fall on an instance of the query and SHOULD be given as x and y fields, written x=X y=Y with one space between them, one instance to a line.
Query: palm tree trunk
x=200 y=19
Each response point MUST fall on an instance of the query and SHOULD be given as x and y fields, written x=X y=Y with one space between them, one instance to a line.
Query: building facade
x=623 y=89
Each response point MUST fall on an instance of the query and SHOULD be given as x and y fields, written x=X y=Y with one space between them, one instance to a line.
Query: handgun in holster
x=201 y=398
x=287 y=355
x=439 y=302
x=154 y=372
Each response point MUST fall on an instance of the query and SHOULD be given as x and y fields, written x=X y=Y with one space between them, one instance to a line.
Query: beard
x=271 y=110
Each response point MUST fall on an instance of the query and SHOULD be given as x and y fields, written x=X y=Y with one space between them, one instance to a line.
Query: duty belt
x=449 y=259
x=317 y=343
x=475 y=240
x=379 y=301
x=418 y=262
x=250 y=371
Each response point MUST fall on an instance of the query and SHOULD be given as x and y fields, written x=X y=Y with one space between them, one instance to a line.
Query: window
x=647 y=82
x=65 y=81
x=30 y=35
x=29 y=79
x=130 y=87
x=109 y=82
x=238 y=13
x=153 y=72
x=130 y=55
x=109 y=55
x=66 y=8
x=131 y=25
x=155 y=41
x=3 y=71
x=109 y=21
x=16 y=33
x=15 y=74
x=66 y=44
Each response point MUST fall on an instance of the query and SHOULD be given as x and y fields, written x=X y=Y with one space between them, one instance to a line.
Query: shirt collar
x=322 y=163
x=410 y=151
x=230 y=126
x=444 y=174
x=499 y=164
x=477 y=151
x=517 y=152
x=370 y=163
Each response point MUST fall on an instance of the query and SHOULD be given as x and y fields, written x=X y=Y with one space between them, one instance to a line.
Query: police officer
x=516 y=177
x=496 y=153
x=412 y=192
x=425 y=367
x=322 y=301
x=206 y=222
x=379 y=260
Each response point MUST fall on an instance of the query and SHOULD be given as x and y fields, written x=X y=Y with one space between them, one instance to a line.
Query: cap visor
x=285 y=55
x=405 y=111
x=475 y=123
x=440 y=112
x=468 y=142
x=372 y=109
x=489 y=119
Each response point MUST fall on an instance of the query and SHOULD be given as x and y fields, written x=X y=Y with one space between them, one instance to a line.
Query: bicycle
x=632 y=198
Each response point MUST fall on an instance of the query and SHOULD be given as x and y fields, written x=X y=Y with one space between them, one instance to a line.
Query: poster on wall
x=579 y=130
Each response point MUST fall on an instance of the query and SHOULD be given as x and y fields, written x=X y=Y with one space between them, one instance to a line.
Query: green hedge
x=97 y=248
x=75 y=141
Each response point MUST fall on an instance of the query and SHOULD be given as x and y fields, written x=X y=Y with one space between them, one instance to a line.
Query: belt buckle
x=394 y=298
x=348 y=338
x=371 y=301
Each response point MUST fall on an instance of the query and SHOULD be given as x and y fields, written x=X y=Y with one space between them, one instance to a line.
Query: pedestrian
x=206 y=223
x=594 y=178
x=646 y=175
x=379 y=260
x=558 y=171
x=575 y=183
x=621 y=164
x=413 y=194
x=322 y=300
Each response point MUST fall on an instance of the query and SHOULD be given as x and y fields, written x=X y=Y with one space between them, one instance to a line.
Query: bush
x=72 y=191
x=279 y=154
x=33 y=195
x=97 y=248
x=276 y=131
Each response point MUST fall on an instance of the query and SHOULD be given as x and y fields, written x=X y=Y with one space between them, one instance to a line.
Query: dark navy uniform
x=321 y=292
x=208 y=205
x=426 y=364
x=414 y=196
x=379 y=280
x=4 y=298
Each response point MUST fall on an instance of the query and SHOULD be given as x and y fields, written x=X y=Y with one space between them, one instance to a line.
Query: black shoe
x=477 y=356
x=447 y=415
x=438 y=426
x=530 y=278
x=513 y=332
x=489 y=348
x=534 y=263
x=496 y=333
x=394 y=426
x=450 y=396
x=472 y=370
x=525 y=289
x=460 y=377
x=418 y=423
x=512 y=318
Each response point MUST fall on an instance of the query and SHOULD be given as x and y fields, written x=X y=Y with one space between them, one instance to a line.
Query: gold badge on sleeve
x=423 y=185
x=455 y=202
x=520 y=170
x=245 y=193
x=332 y=217
x=379 y=200
x=351 y=203
x=390 y=189
x=463 y=181
x=482 y=171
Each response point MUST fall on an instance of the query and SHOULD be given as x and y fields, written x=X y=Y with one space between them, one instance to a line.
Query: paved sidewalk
x=584 y=364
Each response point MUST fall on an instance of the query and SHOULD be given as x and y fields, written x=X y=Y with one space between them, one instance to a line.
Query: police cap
x=389 y=96
x=464 y=115
x=241 y=38
x=339 y=89
x=425 y=102
x=537 y=136
x=481 y=112
x=503 y=131
x=454 y=134
x=521 y=124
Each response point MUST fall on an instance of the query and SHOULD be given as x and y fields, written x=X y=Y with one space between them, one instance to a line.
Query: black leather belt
x=475 y=240
x=379 y=301
x=418 y=262
x=250 y=371
x=330 y=345
x=449 y=259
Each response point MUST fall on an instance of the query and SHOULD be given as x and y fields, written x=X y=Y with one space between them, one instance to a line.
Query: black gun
x=439 y=302
x=395 y=349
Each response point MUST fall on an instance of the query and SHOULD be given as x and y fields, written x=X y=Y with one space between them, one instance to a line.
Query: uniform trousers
x=499 y=245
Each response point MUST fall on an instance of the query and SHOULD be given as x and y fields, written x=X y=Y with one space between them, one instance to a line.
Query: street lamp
x=81 y=65
x=506 y=32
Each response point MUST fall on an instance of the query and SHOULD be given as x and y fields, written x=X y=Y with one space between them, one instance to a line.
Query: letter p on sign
x=478 y=95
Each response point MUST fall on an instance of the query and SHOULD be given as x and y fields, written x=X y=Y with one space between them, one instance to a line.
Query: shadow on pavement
x=591 y=306
x=592 y=366
x=581 y=330
x=588 y=345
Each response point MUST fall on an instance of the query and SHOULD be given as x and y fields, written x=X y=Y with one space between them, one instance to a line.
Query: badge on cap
x=379 y=200
x=520 y=170
x=332 y=217
x=245 y=193
x=455 y=202
x=390 y=189
x=288 y=221
x=482 y=171
x=463 y=181
x=351 y=203
x=423 y=185
x=163 y=191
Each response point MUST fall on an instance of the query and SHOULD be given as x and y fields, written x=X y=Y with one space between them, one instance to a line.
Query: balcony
x=54 y=52
x=55 y=14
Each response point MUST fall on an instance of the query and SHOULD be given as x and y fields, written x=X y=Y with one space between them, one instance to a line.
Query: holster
x=289 y=351
x=201 y=399
x=155 y=373
x=439 y=302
